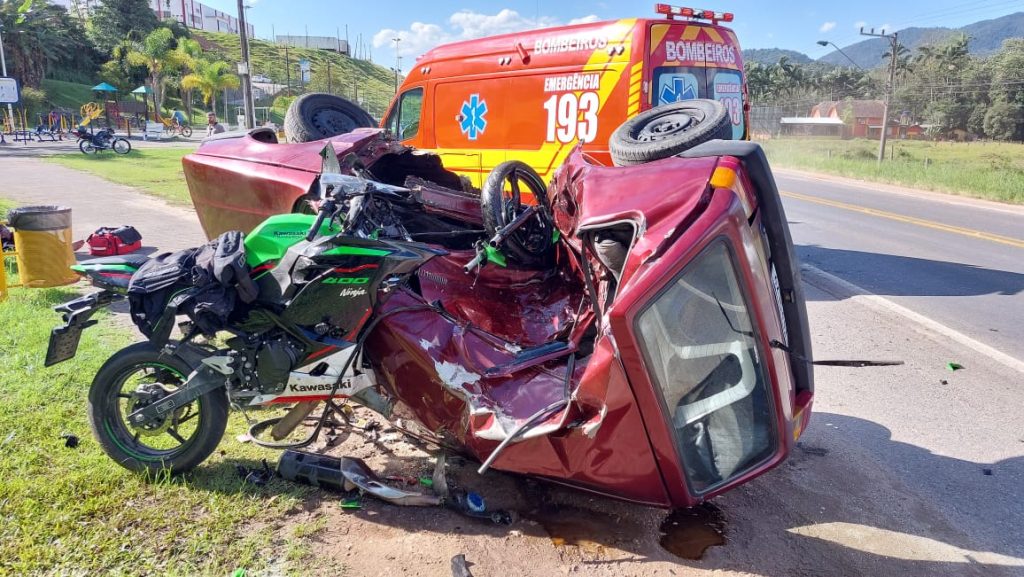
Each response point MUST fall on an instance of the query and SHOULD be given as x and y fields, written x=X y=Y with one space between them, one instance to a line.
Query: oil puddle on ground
x=591 y=532
x=687 y=533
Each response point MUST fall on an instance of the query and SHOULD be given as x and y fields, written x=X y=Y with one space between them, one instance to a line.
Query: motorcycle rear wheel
x=178 y=444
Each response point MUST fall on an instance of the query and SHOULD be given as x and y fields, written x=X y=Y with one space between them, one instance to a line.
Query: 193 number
x=572 y=116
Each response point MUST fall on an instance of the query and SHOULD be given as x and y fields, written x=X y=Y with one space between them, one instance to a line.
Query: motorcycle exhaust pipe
x=317 y=470
x=287 y=424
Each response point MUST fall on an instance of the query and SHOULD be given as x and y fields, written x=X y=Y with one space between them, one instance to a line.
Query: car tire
x=318 y=115
x=667 y=130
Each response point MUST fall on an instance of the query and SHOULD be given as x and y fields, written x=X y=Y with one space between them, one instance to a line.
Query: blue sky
x=759 y=24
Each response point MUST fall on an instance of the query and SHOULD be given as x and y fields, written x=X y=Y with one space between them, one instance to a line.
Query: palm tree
x=190 y=51
x=35 y=35
x=157 y=53
x=210 y=78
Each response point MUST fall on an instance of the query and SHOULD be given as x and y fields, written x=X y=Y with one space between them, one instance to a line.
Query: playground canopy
x=143 y=90
x=103 y=87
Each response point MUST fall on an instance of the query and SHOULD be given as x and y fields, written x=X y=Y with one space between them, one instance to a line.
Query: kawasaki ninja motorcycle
x=163 y=403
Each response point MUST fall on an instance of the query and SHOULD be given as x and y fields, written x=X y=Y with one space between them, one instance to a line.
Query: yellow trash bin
x=42 y=239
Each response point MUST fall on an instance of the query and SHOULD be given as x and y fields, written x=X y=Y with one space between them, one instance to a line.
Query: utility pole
x=329 y=75
x=243 y=68
x=398 y=61
x=287 y=71
x=893 y=45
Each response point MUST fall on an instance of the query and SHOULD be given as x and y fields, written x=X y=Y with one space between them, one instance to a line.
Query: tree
x=1004 y=121
x=36 y=35
x=210 y=78
x=114 y=20
x=157 y=53
x=189 y=51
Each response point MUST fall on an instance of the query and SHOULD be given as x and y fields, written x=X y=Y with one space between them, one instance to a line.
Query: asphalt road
x=956 y=261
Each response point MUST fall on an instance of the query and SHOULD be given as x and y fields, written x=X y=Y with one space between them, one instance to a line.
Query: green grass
x=74 y=511
x=68 y=94
x=156 y=171
x=989 y=170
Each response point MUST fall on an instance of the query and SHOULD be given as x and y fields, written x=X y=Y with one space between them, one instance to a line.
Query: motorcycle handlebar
x=326 y=208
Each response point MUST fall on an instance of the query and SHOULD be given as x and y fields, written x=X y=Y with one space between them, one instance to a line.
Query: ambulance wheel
x=318 y=115
x=501 y=201
x=667 y=130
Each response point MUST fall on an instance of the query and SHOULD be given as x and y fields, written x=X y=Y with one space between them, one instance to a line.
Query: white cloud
x=464 y=25
x=827 y=26
x=585 y=19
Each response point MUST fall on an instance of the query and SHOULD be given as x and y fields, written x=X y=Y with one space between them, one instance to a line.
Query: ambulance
x=533 y=96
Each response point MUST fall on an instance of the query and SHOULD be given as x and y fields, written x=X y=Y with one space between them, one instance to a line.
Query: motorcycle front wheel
x=140 y=375
x=121 y=146
x=86 y=146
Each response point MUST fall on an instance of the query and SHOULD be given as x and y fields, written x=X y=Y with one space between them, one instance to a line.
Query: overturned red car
x=635 y=331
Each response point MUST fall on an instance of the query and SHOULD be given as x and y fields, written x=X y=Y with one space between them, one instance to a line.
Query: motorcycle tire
x=121 y=146
x=667 y=130
x=531 y=244
x=186 y=131
x=131 y=447
x=87 y=147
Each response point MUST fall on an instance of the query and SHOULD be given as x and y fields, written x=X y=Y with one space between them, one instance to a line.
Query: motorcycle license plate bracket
x=77 y=315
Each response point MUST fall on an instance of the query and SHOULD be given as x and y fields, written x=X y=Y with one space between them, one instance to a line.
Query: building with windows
x=189 y=12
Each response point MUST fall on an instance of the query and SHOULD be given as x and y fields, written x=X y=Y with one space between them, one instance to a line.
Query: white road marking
x=860 y=294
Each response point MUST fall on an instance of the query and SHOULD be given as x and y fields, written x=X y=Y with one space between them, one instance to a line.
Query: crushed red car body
x=656 y=359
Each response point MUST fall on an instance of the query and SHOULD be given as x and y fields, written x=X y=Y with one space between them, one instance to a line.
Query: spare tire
x=667 y=130
x=318 y=115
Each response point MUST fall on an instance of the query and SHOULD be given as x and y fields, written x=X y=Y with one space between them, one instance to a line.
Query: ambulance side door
x=470 y=124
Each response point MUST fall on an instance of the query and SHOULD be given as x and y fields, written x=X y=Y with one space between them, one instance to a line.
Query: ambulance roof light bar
x=672 y=11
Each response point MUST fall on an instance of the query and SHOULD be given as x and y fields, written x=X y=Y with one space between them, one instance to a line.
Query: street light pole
x=825 y=43
x=244 y=69
x=398 y=61
x=893 y=45
x=3 y=71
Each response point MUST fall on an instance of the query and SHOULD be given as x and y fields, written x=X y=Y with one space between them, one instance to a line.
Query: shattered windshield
x=700 y=349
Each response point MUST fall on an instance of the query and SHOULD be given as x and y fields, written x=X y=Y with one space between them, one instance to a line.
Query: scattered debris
x=317 y=470
x=439 y=481
x=816 y=451
x=243 y=438
x=70 y=440
x=239 y=573
x=951 y=366
x=472 y=504
x=352 y=503
x=460 y=566
x=256 y=476
x=8 y=438
x=943 y=382
x=986 y=472
x=358 y=474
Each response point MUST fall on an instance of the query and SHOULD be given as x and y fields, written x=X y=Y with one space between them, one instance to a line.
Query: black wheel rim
x=155 y=443
x=534 y=236
x=331 y=121
x=666 y=125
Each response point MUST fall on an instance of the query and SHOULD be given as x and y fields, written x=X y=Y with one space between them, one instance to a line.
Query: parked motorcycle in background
x=104 y=139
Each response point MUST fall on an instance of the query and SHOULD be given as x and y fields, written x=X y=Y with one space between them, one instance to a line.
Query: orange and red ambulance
x=532 y=96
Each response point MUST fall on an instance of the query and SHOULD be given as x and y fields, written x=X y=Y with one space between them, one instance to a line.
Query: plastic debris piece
x=239 y=573
x=951 y=366
x=476 y=502
x=352 y=503
x=986 y=472
x=943 y=382
x=243 y=438
x=256 y=476
x=460 y=567
x=360 y=475
x=70 y=440
x=426 y=481
x=440 y=476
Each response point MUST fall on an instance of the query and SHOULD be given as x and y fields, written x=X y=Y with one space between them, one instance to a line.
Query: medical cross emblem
x=471 y=119
x=679 y=90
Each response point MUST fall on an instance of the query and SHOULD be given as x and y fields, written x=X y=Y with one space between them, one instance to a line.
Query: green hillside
x=373 y=84
x=67 y=94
